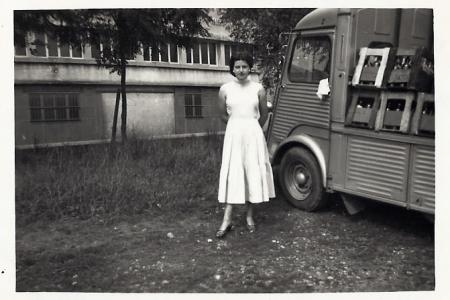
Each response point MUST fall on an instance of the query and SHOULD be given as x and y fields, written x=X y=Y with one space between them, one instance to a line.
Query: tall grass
x=108 y=181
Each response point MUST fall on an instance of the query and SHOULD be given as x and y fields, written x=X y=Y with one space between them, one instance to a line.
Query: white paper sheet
x=323 y=88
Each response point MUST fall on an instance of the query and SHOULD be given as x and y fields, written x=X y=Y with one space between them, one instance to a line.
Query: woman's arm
x=262 y=106
x=223 y=105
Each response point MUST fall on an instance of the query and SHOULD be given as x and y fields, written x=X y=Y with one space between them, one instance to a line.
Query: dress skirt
x=246 y=173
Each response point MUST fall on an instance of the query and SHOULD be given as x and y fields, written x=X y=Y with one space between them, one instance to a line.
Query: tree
x=123 y=32
x=262 y=27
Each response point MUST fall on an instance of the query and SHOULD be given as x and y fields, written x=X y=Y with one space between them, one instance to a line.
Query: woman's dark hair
x=240 y=55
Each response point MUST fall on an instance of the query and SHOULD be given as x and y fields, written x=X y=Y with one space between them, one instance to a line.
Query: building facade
x=63 y=97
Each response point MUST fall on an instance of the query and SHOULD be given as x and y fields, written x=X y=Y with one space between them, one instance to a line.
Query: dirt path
x=384 y=249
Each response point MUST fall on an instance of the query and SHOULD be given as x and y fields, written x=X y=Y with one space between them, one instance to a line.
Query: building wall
x=89 y=127
x=210 y=121
x=34 y=71
x=149 y=114
x=155 y=92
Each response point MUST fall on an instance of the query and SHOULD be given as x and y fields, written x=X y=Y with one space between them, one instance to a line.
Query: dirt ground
x=383 y=249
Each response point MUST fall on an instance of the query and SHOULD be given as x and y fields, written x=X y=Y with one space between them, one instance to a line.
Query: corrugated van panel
x=423 y=178
x=377 y=167
x=299 y=104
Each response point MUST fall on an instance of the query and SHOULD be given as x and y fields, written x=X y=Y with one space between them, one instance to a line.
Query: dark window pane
x=173 y=53
x=204 y=47
x=188 y=100
x=35 y=100
x=64 y=50
x=48 y=100
x=146 y=53
x=39 y=44
x=164 y=53
x=129 y=55
x=106 y=49
x=196 y=54
x=212 y=54
x=36 y=114
x=197 y=99
x=188 y=111
x=60 y=113
x=19 y=46
x=74 y=113
x=189 y=55
x=76 y=51
x=95 y=50
x=73 y=100
x=155 y=53
x=60 y=100
x=227 y=54
x=198 y=111
x=233 y=50
x=20 y=51
x=52 y=47
x=49 y=114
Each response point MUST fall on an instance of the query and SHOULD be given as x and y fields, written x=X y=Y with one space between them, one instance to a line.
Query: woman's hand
x=223 y=106
x=262 y=107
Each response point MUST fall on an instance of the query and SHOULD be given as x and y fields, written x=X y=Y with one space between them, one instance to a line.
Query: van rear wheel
x=301 y=181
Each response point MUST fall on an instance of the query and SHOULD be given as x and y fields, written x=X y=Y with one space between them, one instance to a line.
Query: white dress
x=245 y=174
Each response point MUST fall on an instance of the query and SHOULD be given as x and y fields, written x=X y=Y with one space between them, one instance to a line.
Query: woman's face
x=241 y=69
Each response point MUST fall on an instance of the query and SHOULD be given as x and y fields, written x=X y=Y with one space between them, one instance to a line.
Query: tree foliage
x=262 y=27
x=123 y=32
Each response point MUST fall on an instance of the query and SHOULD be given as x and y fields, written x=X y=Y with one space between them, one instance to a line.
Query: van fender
x=307 y=142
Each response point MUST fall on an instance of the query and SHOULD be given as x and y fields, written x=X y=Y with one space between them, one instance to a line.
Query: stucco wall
x=89 y=127
x=209 y=123
x=36 y=72
x=152 y=115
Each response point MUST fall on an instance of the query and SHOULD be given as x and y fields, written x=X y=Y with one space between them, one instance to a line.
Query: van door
x=298 y=108
x=303 y=118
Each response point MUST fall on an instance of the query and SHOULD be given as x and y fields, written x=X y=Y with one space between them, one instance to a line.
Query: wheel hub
x=301 y=181
x=300 y=178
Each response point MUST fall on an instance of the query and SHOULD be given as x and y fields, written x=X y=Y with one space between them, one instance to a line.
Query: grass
x=111 y=181
x=141 y=217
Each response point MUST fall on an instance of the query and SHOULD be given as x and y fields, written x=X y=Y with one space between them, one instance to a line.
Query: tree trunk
x=123 y=127
x=116 y=112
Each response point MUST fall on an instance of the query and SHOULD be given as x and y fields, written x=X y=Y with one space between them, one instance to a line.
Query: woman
x=245 y=174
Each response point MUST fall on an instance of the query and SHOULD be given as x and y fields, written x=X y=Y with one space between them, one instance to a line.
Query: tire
x=300 y=180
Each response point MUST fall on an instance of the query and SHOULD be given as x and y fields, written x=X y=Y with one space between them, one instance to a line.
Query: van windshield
x=310 y=61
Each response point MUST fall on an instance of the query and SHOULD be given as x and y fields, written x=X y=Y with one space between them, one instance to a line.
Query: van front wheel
x=301 y=181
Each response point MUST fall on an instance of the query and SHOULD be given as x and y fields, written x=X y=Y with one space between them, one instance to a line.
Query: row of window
x=49 y=107
x=54 y=107
x=201 y=53
x=44 y=46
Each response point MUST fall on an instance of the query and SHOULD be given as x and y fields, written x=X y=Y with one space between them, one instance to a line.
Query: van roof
x=322 y=17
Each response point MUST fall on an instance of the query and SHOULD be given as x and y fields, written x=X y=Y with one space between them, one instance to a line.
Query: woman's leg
x=226 y=216
x=249 y=218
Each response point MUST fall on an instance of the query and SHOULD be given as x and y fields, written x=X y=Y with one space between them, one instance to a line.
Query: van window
x=310 y=60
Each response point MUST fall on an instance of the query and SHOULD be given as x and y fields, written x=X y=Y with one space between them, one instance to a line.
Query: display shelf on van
x=411 y=69
x=395 y=111
x=363 y=108
x=423 y=120
x=370 y=70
